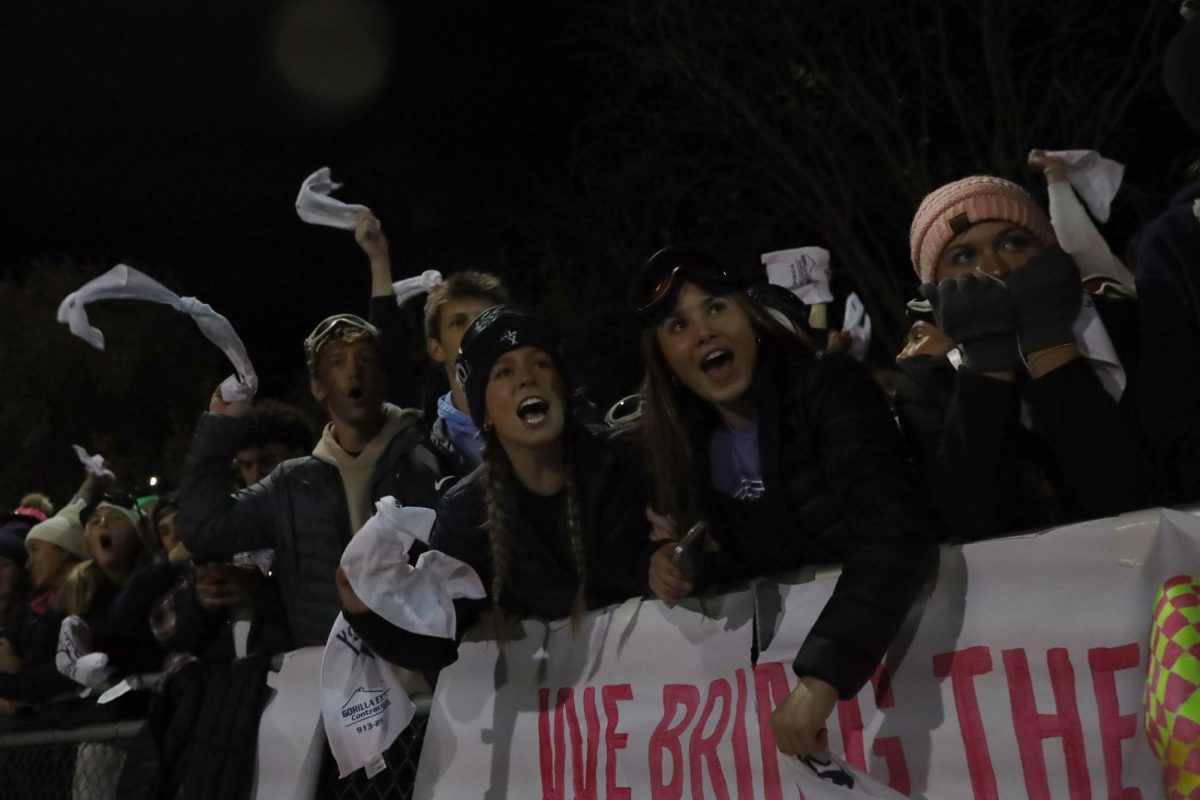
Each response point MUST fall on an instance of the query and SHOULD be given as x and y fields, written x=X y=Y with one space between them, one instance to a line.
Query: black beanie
x=1181 y=72
x=491 y=335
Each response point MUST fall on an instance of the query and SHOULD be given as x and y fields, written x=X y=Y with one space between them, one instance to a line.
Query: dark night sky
x=166 y=136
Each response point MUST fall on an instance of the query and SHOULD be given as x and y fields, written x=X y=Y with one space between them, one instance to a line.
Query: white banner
x=1021 y=674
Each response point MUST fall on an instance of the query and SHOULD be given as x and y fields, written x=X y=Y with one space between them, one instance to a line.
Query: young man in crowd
x=308 y=508
x=275 y=432
x=450 y=307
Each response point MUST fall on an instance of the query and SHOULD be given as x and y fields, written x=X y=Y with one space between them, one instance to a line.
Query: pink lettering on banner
x=1032 y=727
x=552 y=752
x=666 y=737
x=613 y=740
x=584 y=775
x=770 y=689
x=704 y=748
x=889 y=748
x=1114 y=726
x=962 y=667
x=551 y=757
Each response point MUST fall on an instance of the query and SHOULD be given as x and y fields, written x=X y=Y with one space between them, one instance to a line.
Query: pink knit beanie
x=952 y=209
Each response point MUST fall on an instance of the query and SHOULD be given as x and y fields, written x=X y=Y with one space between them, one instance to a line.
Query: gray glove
x=978 y=314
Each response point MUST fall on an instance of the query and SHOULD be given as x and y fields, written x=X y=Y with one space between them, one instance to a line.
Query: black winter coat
x=542 y=581
x=838 y=489
x=300 y=510
x=35 y=639
x=1086 y=456
x=1168 y=283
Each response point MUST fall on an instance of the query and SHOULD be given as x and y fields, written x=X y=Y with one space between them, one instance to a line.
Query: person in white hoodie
x=308 y=508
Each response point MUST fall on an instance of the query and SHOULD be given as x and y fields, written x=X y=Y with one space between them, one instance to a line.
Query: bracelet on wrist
x=1031 y=361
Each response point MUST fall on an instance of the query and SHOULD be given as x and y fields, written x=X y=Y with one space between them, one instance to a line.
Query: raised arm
x=216 y=524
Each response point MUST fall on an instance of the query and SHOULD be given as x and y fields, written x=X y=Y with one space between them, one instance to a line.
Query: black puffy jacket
x=300 y=510
x=838 y=489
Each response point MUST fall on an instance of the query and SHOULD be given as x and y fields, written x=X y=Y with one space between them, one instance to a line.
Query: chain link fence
x=85 y=763
x=394 y=783
x=80 y=764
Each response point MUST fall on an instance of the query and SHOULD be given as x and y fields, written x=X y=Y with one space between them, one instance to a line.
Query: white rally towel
x=857 y=323
x=126 y=283
x=802 y=270
x=93 y=465
x=75 y=657
x=409 y=288
x=315 y=206
x=1096 y=178
x=417 y=598
x=363 y=705
x=829 y=778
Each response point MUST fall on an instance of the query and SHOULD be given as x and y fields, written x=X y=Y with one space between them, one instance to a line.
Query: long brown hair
x=500 y=486
x=674 y=416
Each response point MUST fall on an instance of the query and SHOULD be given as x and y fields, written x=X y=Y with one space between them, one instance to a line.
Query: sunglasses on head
x=661 y=276
x=336 y=327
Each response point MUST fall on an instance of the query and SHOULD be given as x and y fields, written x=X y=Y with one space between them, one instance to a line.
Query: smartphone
x=684 y=554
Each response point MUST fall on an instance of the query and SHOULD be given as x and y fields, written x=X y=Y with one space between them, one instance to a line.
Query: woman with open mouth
x=552 y=520
x=792 y=458
x=113 y=589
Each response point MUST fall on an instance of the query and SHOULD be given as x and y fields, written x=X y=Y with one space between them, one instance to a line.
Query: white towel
x=364 y=706
x=829 y=778
x=857 y=323
x=409 y=288
x=417 y=598
x=315 y=206
x=93 y=465
x=1096 y=178
x=126 y=283
x=802 y=270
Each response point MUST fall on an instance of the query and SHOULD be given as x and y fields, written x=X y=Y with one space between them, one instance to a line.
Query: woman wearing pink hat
x=1029 y=420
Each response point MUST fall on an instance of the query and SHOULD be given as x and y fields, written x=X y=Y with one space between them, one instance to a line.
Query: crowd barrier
x=1021 y=673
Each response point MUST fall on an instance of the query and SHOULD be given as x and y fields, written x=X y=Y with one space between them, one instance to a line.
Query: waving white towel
x=409 y=288
x=93 y=465
x=126 y=283
x=1096 y=178
x=417 y=598
x=315 y=206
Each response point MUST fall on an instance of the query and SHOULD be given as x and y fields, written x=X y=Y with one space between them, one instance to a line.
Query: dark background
x=557 y=144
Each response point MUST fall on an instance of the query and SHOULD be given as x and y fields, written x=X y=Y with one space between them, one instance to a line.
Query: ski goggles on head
x=659 y=280
x=332 y=329
x=122 y=501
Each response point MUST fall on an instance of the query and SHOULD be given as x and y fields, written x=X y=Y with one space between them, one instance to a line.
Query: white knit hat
x=63 y=529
